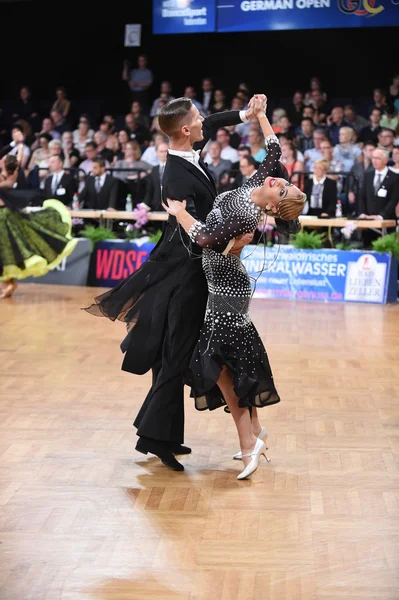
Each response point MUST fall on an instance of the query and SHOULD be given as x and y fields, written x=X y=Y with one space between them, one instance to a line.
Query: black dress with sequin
x=228 y=336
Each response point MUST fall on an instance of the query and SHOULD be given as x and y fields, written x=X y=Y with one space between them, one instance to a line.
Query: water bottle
x=338 y=209
x=129 y=203
x=75 y=202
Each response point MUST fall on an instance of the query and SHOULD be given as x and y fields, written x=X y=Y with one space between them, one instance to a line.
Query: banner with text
x=184 y=16
x=323 y=275
x=195 y=16
x=116 y=259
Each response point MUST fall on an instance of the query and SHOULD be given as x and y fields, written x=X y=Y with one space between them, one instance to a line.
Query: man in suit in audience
x=59 y=185
x=248 y=166
x=380 y=192
x=153 y=195
x=101 y=189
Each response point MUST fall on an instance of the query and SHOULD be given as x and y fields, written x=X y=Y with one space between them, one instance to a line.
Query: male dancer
x=160 y=421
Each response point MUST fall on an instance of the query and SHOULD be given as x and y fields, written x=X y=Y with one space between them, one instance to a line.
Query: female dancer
x=230 y=364
x=30 y=244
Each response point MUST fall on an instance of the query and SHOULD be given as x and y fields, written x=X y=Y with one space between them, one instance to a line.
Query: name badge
x=61 y=191
x=382 y=193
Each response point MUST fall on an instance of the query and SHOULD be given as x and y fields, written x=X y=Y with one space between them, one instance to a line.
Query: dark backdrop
x=80 y=45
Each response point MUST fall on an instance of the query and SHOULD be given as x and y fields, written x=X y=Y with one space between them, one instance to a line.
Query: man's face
x=386 y=138
x=242 y=153
x=17 y=135
x=214 y=150
x=54 y=163
x=97 y=170
x=368 y=151
x=207 y=85
x=375 y=117
x=24 y=94
x=308 y=112
x=307 y=128
x=222 y=137
x=194 y=125
x=162 y=152
x=298 y=98
x=326 y=149
x=349 y=114
x=245 y=168
x=99 y=138
x=316 y=97
x=142 y=62
x=337 y=114
x=67 y=138
x=318 y=138
x=189 y=92
x=378 y=97
x=57 y=118
x=130 y=121
x=90 y=152
x=47 y=125
x=165 y=87
x=378 y=159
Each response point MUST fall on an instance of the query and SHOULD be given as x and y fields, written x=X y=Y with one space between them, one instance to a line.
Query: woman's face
x=253 y=137
x=319 y=171
x=286 y=151
x=277 y=189
x=43 y=143
x=344 y=136
x=219 y=97
x=130 y=152
x=395 y=155
x=123 y=137
x=83 y=126
x=314 y=84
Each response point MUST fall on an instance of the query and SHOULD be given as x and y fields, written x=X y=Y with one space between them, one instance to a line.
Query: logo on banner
x=365 y=280
x=360 y=8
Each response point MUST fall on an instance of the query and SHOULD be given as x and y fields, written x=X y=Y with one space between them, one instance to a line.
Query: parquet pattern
x=83 y=516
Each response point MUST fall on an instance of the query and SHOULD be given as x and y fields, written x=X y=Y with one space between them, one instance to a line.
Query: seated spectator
x=106 y=128
x=100 y=139
x=289 y=158
x=315 y=84
x=150 y=154
x=242 y=150
x=317 y=101
x=379 y=100
x=218 y=166
x=228 y=153
x=100 y=191
x=91 y=152
x=55 y=149
x=235 y=137
x=189 y=92
x=346 y=151
x=110 y=119
x=315 y=153
x=132 y=161
x=18 y=138
x=380 y=192
x=395 y=159
x=48 y=128
x=110 y=151
x=358 y=172
x=24 y=107
x=370 y=133
x=83 y=134
x=58 y=184
x=286 y=127
x=140 y=117
x=353 y=119
x=305 y=137
x=394 y=87
x=61 y=104
x=71 y=155
x=276 y=116
x=321 y=192
x=41 y=153
x=135 y=130
x=165 y=95
x=389 y=119
x=257 y=145
x=153 y=195
x=219 y=102
x=248 y=166
x=386 y=139
x=295 y=111
x=334 y=123
x=60 y=123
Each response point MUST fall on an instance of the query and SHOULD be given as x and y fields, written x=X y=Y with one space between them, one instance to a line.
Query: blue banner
x=184 y=16
x=200 y=16
x=323 y=275
x=252 y=15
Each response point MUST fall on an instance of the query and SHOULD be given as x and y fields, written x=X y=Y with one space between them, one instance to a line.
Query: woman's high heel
x=260 y=448
x=263 y=434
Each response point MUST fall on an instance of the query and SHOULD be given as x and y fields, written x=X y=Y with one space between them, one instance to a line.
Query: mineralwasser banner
x=323 y=275
x=194 y=16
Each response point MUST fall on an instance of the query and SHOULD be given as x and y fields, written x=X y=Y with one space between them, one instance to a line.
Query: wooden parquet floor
x=85 y=517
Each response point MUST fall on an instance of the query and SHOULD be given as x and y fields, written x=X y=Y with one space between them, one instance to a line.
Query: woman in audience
x=83 y=134
x=55 y=147
x=219 y=103
x=256 y=143
x=72 y=156
x=289 y=158
x=395 y=158
x=137 y=111
x=62 y=103
x=315 y=84
x=321 y=192
x=132 y=160
x=346 y=151
x=277 y=115
x=110 y=152
x=123 y=139
x=41 y=153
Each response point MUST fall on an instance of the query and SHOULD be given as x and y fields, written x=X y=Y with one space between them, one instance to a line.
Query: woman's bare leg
x=241 y=416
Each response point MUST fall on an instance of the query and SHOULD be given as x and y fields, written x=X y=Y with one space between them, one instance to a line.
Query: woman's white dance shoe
x=260 y=448
x=262 y=436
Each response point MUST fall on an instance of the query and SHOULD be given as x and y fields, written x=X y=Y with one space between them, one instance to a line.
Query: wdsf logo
x=360 y=8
